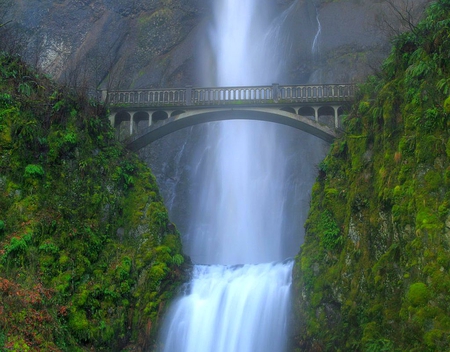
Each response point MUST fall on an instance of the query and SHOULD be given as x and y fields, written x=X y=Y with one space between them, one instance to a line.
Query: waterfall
x=315 y=46
x=239 y=294
x=240 y=202
x=227 y=309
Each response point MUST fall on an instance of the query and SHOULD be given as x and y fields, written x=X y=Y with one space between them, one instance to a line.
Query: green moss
x=385 y=196
x=418 y=294
x=447 y=105
x=329 y=231
x=88 y=240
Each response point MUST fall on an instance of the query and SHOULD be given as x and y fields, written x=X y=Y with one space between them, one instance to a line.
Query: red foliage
x=25 y=316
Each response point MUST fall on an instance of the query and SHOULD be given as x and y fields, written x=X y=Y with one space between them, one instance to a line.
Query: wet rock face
x=148 y=43
x=111 y=43
x=340 y=41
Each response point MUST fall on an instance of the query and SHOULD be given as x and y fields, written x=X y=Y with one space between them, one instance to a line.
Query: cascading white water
x=239 y=212
x=232 y=309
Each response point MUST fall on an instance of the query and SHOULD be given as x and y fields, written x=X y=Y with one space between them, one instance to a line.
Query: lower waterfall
x=236 y=308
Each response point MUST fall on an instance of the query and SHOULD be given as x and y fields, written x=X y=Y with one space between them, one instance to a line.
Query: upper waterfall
x=239 y=208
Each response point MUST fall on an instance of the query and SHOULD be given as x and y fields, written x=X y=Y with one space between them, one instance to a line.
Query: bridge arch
x=140 y=116
x=159 y=115
x=191 y=118
x=122 y=123
x=140 y=121
x=289 y=109
x=177 y=112
x=326 y=115
x=326 y=110
x=120 y=117
x=307 y=111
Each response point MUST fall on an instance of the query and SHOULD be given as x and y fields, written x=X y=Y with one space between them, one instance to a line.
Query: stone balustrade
x=190 y=96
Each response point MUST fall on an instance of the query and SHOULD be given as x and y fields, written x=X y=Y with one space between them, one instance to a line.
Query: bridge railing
x=173 y=96
x=312 y=93
x=231 y=95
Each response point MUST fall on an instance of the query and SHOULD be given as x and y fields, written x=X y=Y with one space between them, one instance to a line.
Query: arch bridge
x=143 y=116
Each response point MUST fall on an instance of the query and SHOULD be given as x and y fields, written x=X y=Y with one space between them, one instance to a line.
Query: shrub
x=417 y=294
x=33 y=171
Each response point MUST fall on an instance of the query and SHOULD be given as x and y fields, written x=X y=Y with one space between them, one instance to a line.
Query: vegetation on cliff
x=373 y=273
x=88 y=257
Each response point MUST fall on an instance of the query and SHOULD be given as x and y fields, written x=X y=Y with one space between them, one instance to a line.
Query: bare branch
x=398 y=16
x=4 y=24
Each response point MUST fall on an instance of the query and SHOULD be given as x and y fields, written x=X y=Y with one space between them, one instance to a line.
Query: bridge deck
x=190 y=96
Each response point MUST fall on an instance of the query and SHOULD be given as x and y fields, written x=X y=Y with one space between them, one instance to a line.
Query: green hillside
x=88 y=257
x=373 y=274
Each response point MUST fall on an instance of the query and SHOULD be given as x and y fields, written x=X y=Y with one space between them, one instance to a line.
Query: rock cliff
x=146 y=43
x=110 y=43
x=373 y=273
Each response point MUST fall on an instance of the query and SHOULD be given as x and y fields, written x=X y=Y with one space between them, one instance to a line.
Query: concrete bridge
x=143 y=116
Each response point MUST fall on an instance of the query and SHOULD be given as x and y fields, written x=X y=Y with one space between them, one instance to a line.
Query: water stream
x=315 y=46
x=238 y=298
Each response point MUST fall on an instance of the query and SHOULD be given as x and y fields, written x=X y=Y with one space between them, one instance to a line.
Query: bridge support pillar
x=336 y=115
x=132 y=122
x=316 y=113
x=149 y=113
x=112 y=119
